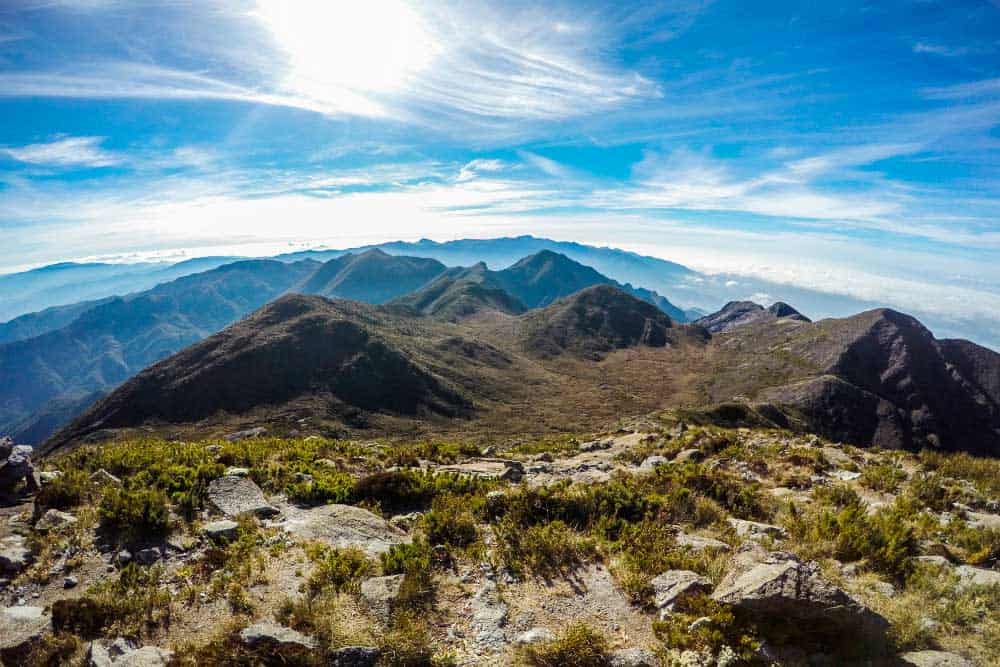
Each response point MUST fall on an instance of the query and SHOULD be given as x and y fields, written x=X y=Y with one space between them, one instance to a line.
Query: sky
x=847 y=147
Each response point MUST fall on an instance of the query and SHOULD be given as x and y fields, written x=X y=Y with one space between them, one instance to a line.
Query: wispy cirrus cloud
x=64 y=152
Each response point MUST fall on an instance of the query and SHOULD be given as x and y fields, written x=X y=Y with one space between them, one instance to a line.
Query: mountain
x=876 y=378
x=534 y=282
x=372 y=276
x=50 y=319
x=739 y=313
x=118 y=337
x=353 y=364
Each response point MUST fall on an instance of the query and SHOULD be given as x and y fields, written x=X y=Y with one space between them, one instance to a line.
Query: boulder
x=17 y=467
x=777 y=588
x=55 y=520
x=633 y=657
x=20 y=628
x=102 y=477
x=248 y=433
x=651 y=463
x=595 y=445
x=672 y=585
x=14 y=554
x=48 y=476
x=354 y=656
x=689 y=456
x=343 y=526
x=276 y=639
x=221 y=531
x=934 y=659
x=148 y=556
x=755 y=530
x=976 y=576
x=234 y=496
x=534 y=636
x=380 y=594
x=123 y=653
x=237 y=472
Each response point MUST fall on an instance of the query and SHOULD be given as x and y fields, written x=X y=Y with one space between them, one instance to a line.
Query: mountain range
x=58 y=361
x=878 y=377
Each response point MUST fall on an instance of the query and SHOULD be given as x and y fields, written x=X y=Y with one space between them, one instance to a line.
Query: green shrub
x=134 y=513
x=407 y=557
x=408 y=490
x=128 y=605
x=721 y=628
x=66 y=491
x=323 y=489
x=339 y=570
x=577 y=646
x=450 y=522
x=884 y=477
x=546 y=549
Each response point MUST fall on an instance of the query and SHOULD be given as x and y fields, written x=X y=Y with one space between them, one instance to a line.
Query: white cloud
x=67 y=152
x=480 y=165
x=939 y=49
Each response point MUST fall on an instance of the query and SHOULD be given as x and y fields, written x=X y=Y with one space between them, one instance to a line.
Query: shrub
x=884 y=477
x=324 y=488
x=546 y=549
x=408 y=490
x=66 y=491
x=126 y=605
x=450 y=522
x=403 y=558
x=134 y=513
x=339 y=570
x=577 y=646
x=717 y=627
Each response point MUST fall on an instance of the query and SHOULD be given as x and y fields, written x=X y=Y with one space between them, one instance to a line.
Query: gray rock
x=934 y=659
x=884 y=588
x=489 y=616
x=20 y=628
x=633 y=657
x=343 y=526
x=689 y=456
x=124 y=557
x=595 y=445
x=651 y=463
x=970 y=576
x=275 y=638
x=669 y=587
x=54 y=520
x=237 y=472
x=14 y=554
x=939 y=561
x=70 y=582
x=534 y=636
x=380 y=594
x=123 y=653
x=755 y=530
x=148 y=556
x=234 y=496
x=48 y=476
x=699 y=543
x=354 y=656
x=248 y=433
x=16 y=468
x=102 y=477
x=221 y=531
x=778 y=587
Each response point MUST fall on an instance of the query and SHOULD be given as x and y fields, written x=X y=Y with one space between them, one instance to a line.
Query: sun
x=347 y=53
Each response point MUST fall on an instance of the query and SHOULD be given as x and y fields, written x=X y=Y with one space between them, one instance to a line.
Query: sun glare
x=341 y=52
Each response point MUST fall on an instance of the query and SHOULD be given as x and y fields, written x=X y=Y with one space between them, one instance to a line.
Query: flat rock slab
x=221 y=531
x=233 y=496
x=934 y=659
x=671 y=586
x=343 y=526
x=20 y=628
x=276 y=638
x=977 y=576
x=699 y=543
x=756 y=530
x=123 y=654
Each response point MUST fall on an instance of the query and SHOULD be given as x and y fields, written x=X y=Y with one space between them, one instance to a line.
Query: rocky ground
x=660 y=542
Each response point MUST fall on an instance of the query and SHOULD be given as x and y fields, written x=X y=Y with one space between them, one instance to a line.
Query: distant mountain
x=740 y=313
x=116 y=338
x=372 y=276
x=50 y=319
x=534 y=282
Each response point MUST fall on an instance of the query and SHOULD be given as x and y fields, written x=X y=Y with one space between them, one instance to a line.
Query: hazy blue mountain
x=372 y=276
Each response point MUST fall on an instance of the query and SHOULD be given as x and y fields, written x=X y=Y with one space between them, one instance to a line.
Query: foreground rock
x=20 y=628
x=221 y=531
x=276 y=639
x=233 y=496
x=934 y=659
x=672 y=586
x=633 y=657
x=777 y=589
x=343 y=526
x=15 y=466
x=55 y=520
x=123 y=653
x=14 y=554
x=354 y=656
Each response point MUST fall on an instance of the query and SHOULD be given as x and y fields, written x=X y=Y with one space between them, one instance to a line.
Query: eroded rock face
x=344 y=526
x=20 y=628
x=233 y=496
x=775 y=587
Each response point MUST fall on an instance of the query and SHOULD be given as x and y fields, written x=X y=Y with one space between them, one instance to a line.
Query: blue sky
x=846 y=147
